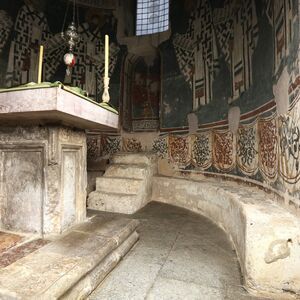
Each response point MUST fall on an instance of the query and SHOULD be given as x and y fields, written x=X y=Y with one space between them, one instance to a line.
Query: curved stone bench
x=266 y=237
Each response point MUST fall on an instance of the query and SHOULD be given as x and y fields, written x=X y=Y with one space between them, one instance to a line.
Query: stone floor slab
x=180 y=256
x=170 y=289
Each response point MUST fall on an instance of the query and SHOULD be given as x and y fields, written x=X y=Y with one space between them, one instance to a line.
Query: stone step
x=118 y=185
x=72 y=266
x=126 y=171
x=134 y=158
x=92 y=280
x=112 y=202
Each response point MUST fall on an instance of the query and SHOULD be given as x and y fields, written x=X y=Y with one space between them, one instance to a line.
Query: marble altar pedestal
x=43 y=175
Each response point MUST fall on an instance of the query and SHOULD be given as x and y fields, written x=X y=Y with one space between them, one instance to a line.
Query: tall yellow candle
x=106 y=55
x=40 y=64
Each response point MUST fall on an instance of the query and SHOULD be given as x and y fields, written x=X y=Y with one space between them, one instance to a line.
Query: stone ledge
x=266 y=236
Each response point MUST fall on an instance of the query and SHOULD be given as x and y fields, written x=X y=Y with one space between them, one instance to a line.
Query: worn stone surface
x=263 y=233
x=8 y=240
x=118 y=185
x=91 y=180
x=126 y=185
x=180 y=255
x=43 y=186
x=88 y=284
x=22 y=189
x=20 y=251
x=84 y=255
x=60 y=107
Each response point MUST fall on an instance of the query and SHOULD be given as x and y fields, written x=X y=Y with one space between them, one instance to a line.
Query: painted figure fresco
x=89 y=52
x=196 y=53
x=282 y=18
x=6 y=25
x=30 y=30
x=145 y=94
x=229 y=30
x=237 y=33
x=244 y=39
x=141 y=93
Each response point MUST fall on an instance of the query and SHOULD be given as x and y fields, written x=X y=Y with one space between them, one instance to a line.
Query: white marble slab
x=54 y=105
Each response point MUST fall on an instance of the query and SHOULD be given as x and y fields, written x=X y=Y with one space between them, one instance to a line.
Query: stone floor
x=180 y=255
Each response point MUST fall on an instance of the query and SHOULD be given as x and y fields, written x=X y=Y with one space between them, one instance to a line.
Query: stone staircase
x=126 y=185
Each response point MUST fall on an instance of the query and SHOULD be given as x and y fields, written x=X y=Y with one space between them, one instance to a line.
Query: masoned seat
x=265 y=235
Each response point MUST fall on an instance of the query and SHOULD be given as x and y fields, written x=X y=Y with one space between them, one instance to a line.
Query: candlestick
x=40 y=64
x=105 y=96
x=106 y=55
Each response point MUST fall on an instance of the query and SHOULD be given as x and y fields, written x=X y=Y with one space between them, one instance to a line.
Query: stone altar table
x=43 y=158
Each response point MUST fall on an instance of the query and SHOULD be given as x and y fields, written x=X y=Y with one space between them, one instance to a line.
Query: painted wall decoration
x=289 y=146
x=196 y=53
x=226 y=52
x=106 y=4
x=6 y=25
x=268 y=148
x=179 y=150
x=223 y=150
x=39 y=22
x=160 y=146
x=201 y=151
x=93 y=147
x=265 y=149
x=240 y=22
x=110 y=145
x=102 y=146
x=89 y=68
x=247 y=149
x=141 y=93
x=282 y=15
x=30 y=30
x=131 y=145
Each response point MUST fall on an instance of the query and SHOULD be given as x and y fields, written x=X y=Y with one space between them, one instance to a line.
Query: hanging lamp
x=71 y=36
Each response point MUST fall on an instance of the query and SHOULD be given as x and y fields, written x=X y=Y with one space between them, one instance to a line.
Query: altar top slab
x=53 y=105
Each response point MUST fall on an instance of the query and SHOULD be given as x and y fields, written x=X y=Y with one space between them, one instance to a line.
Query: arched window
x=152 y=16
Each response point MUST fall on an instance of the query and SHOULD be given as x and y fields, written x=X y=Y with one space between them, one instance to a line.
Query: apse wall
x=229 y=102
x=26 y=24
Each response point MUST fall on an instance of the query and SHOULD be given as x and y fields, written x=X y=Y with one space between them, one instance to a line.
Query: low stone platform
x=265 y=235
x=72 y=266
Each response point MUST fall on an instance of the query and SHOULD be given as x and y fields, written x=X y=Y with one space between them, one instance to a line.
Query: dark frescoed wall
x=24 y=25
x=216 y=94
x=223 y=54
x=229 y=102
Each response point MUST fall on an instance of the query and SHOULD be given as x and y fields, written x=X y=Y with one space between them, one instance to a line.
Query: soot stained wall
x=225 y=53
x=241 y=57
x=24 y=25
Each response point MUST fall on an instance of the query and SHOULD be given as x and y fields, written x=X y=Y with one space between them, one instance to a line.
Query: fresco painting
x=247 y=149
x=22 y=34
x=145 y=94
x=231 y=38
